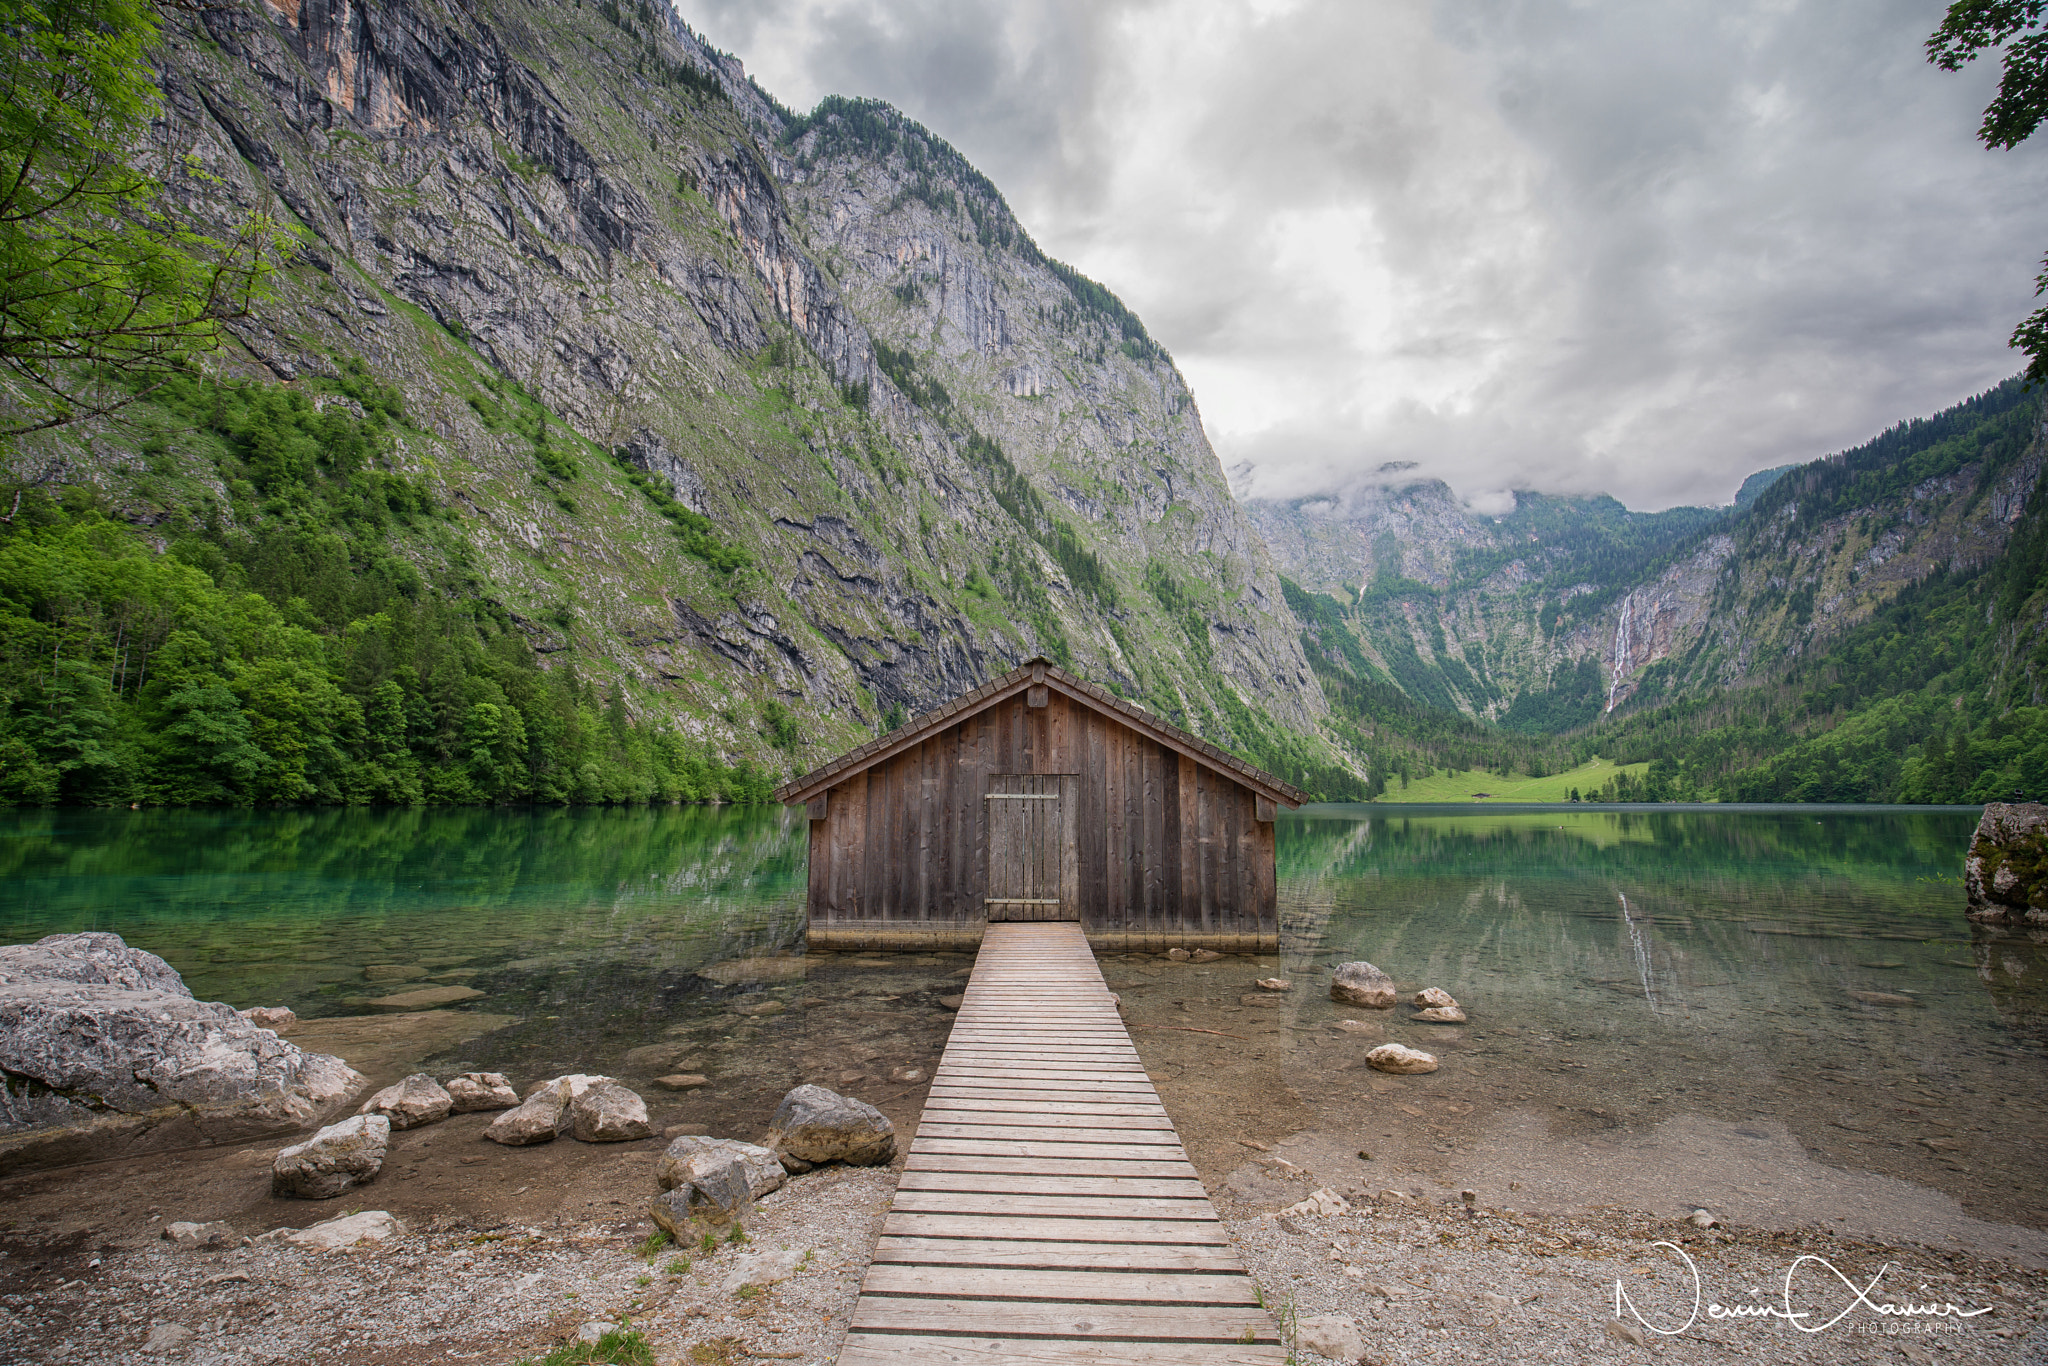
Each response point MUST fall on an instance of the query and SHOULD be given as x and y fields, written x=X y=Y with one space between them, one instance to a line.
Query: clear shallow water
x=1622 y=967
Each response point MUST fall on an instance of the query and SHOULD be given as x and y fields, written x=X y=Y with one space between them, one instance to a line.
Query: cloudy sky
x=1635 y=248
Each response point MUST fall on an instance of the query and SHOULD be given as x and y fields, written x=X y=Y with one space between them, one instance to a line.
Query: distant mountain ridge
x=1569 y=608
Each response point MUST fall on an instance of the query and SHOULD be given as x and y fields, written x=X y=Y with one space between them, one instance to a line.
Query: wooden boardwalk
x=1047 y=1212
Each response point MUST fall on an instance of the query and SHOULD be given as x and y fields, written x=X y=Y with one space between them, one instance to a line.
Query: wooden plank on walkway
x=1047 y=1211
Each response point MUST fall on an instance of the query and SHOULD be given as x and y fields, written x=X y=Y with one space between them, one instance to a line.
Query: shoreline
x=1426 y=1277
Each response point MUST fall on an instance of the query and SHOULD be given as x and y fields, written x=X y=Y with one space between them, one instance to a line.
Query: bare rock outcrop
x=2006 y=874
x=105 y=1053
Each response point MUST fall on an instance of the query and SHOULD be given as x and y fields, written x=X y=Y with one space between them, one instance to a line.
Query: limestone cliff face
x=583 y=219
x=1480 y=613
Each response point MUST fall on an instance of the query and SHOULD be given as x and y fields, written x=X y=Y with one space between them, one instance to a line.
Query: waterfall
x=1621 y=644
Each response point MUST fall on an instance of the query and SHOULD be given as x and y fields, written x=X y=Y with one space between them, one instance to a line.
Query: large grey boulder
x=106 y=1054
x=410 y=1103
x=338 y=1158
x=1362 y=984
x=763 y=1169
x=2006 y=873
x=709 y=1189
x=814 y=1126
x=608 y=1113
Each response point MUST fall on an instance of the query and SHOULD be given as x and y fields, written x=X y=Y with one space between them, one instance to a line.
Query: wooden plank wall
x=1164 y=844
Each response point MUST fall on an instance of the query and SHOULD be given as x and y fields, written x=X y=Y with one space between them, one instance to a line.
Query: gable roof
x=1032 y=671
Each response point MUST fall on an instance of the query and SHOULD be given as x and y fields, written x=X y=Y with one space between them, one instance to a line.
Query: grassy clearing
x=1508 y=787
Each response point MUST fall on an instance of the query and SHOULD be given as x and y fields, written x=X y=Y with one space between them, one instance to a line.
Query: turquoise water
x=1811 y=964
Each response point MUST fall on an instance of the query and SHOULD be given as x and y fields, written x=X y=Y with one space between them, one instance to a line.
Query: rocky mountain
x=1565 y=610
x=746 y=414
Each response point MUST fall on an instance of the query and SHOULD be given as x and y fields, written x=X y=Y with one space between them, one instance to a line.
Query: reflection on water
x=1807 y=964
x=1621 y=967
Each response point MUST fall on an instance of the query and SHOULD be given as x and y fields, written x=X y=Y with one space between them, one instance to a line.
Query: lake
x=1632 y=974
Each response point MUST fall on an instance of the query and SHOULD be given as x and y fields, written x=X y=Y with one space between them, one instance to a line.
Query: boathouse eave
x=800 y=790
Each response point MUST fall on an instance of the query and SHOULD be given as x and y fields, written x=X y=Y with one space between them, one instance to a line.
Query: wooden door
x=1032 y=874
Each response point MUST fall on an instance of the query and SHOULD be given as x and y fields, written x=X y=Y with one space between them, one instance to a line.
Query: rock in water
x=1440 y=1015
x=2006 y=873
x=813 y=1126
x=1178 y=955
x=1435 y=998
x=474 y=1091
x=764 y=1172
x=1273 y=984
x=275 y=1018
x=107 y=1053
x=1394 y=1057
x=338 y=1158
x=710 y=1189
x=1205 y=956
x=608 y=1113
x=408 y=1104
x=1362 y=984
x=1330 y=1335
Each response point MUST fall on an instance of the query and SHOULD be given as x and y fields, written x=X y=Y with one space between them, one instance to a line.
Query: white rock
x=337 y=1158
x=1362 y=984
x=1330 y=1335
x=1322 y=1204
x=371 y=1226
x=276 y=1019
x=1273 y=984
x=1702 y=1219
x=215 y=1234
x=100 y=1030
x=410 y=1103
x=764 y=1171
x=474 y=1091
x=761 y=1268
x=537 y=1119
x=1440 y=1015
x=1434 y=998
x=1394 y=1057
x=608 y=1113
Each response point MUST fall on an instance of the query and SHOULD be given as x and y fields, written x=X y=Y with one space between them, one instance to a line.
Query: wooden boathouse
x=1041 y=797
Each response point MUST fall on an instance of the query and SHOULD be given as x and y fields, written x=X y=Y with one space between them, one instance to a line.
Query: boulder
x=107 y=1053
x=1362 y=984
x=338 y=1158
x=2006 y=873
x=1273 y=984
x=1330 y=1335
x=1434 y=998
x=474 y=1091
x=1179 y=955
x=813 y=1126
x=608 y=1113
x=370 y=1226
x=545 y=1113
x=1205 y=956
x=215 y=1234
x=1440 y=1015
x=1394 y=1057
x=408 y=1104
x=277 y=1019
x=764 y=1173
x=710 y=1189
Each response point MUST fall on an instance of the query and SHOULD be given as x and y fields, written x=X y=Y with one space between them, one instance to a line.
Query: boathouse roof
x=1038 y=671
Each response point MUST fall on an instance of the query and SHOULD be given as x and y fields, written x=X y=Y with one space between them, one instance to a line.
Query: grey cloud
x=1635 y=249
